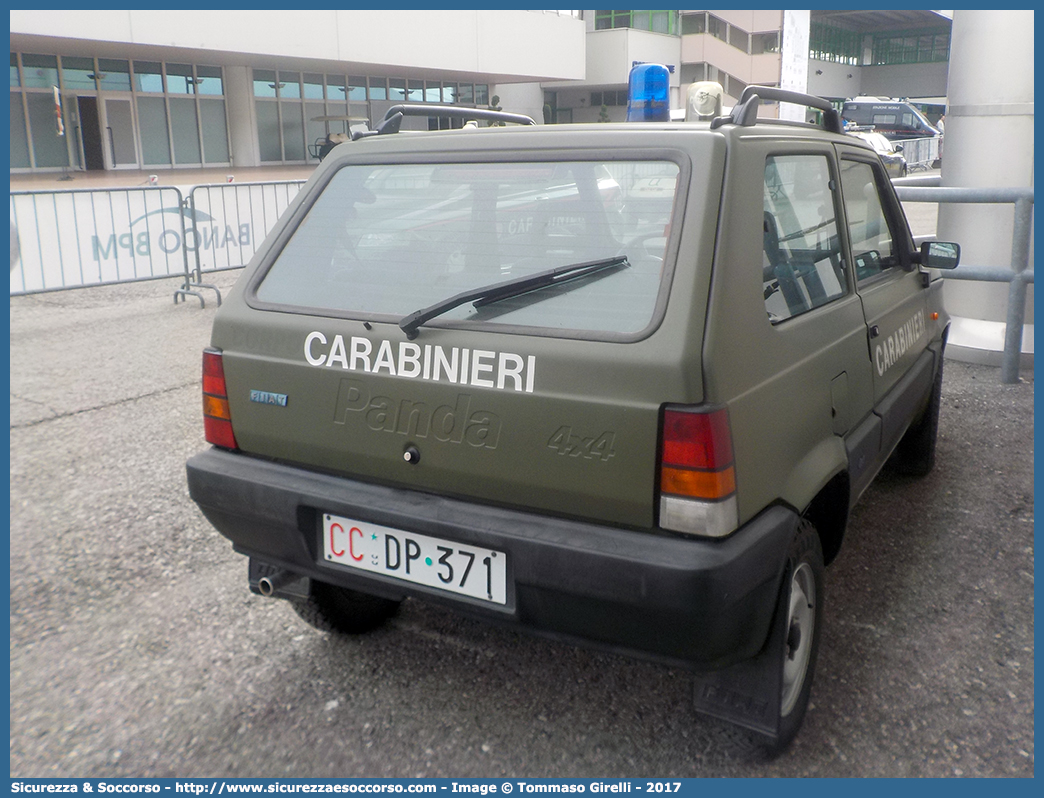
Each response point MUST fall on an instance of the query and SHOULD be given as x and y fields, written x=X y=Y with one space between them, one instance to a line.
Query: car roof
x=744 y=115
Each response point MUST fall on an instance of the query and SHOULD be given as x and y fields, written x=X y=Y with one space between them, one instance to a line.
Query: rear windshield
x=385 y=241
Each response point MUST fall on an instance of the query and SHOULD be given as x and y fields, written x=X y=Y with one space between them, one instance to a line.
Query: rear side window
x=802 y=266
x=385 y=241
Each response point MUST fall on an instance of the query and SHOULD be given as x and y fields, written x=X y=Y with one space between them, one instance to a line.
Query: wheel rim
x=801 y=622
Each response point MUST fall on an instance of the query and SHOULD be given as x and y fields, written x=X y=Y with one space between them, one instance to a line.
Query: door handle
x=874 y=331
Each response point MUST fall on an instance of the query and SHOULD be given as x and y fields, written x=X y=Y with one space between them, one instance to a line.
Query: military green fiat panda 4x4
x=618 y=384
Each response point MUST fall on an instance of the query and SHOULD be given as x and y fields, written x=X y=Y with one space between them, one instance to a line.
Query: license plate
x=423 y=560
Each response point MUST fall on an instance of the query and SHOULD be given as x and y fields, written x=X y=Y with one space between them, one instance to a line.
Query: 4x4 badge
x=268 y=398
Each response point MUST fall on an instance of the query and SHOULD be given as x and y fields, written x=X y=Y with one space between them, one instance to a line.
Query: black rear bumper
x=690 y=602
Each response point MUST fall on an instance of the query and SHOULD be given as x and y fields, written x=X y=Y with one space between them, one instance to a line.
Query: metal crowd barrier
x=85 y=237
x=80 y=237
x=920 y=153
x=229 y=221
x=1018 y=276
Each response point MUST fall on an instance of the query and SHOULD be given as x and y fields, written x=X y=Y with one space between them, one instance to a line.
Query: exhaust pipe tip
x=268 y=585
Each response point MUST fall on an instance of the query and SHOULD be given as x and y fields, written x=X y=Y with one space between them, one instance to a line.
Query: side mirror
x=898 y=147
x=940 y=255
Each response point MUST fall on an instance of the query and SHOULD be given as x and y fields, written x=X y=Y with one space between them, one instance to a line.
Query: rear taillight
x=217 y=420
x=697 y=473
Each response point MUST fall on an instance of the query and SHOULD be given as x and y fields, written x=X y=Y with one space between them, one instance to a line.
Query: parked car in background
x=891 y=154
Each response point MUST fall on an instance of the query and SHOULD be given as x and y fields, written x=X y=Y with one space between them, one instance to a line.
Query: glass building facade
x=105 y=113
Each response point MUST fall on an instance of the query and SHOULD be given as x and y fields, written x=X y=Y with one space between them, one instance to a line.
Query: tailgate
x=510 y=420
x=546 y=397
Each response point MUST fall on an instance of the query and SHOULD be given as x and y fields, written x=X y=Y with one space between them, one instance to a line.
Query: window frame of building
x=911 y=47
x=147 y=69
x=107 y=71
x=693 y=23
x=297 y=106
x=705 y=23
x=607 y=20
x=718 y=28
x=293 y=112
x=176 y=73
x=186 y=111
x=739 y=39
x=609 y=98
x=653 y=20
x=377 y=88
x=835 y=44
x=78 y=74
x=46 y=62
x=355 y=88
x=765 y=42
x=156 y=128
x=344 y=95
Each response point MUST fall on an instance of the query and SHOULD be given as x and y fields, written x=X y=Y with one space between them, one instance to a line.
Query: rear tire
x=330 y=608
x=804 y=607
x=915 y=454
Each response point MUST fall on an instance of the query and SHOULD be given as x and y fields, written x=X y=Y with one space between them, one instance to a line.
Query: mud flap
x=749 y=693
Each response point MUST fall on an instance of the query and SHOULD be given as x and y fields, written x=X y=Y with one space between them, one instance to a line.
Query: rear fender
x=814 y=471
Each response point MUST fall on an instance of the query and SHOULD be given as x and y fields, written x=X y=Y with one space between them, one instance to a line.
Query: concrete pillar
x=988 y=143
x=242 y=120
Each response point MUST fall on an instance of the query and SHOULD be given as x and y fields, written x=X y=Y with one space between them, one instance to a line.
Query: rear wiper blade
x=510 y=288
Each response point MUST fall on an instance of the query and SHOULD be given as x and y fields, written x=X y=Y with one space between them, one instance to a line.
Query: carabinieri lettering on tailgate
x=504 y=371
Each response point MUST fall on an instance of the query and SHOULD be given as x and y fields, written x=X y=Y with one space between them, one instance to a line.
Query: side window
x=802 y=267
x=873 y=244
